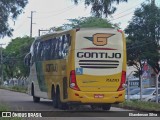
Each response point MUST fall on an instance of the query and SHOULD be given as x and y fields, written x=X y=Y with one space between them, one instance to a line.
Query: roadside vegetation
x=140 y=106
x=4 y=107
x=143 y=34
x=15 y=88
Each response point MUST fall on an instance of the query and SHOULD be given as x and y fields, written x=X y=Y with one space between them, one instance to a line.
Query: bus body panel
x=99 y=67
x=33 y=79
x=89 y=98
x=55 y=72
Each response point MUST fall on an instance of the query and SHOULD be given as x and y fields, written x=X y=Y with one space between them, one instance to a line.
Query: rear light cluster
x=73 y=83
x=119 y=30
x=123 y=81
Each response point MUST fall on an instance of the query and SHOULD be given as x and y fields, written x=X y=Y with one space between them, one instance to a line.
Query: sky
x=50 y=13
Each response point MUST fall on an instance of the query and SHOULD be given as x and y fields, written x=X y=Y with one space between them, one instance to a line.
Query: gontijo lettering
x=98 y=55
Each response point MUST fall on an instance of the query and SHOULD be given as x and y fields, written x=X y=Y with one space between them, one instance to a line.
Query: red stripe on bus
x=93 y=48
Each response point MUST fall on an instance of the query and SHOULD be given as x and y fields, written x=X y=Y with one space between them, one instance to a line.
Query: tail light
x=120 y=31
x=78 y=29
x=73 y=83
x=123 y=81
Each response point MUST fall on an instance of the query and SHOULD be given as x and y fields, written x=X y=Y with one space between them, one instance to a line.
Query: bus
x=78 y=66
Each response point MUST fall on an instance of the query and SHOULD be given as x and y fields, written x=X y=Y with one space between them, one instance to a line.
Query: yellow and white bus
x=78 y=66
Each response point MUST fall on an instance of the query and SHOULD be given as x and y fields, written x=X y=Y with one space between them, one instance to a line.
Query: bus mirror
x=26 y=62
x=27 y=59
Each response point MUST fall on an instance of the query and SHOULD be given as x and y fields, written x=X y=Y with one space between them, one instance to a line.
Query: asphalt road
x=23 y=102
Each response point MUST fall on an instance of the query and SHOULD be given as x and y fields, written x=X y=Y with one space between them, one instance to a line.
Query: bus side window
x=42 y=51
x=66 y=45
x=53 y=44
x=60 y=47
x=35 y=51
x=69 y=39
x=56 y=52
x=45 y=50
x=63 y=46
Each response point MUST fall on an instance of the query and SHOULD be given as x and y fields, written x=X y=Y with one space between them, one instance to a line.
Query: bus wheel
x=61 y=105
x=35 y=99
x=106 y=107
x=54 y=99
x=93 y=107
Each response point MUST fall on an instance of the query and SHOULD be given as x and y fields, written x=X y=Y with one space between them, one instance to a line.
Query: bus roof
x=76 y=29
x=52 y=34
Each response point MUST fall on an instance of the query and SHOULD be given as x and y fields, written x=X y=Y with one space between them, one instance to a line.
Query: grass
x=15 y=88
x=141 y=106
x=19 y=89
x=5 y=108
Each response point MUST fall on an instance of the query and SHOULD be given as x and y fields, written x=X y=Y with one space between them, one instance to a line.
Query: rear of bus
x=98 y=72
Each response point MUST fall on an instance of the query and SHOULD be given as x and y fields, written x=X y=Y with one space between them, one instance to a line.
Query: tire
x=35 y=99
x=106 y=107
x=93 y=107
x=60 y=105
x=54 y=99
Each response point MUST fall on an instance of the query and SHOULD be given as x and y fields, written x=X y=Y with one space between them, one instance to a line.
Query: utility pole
x=31 y=22
x=1 y=64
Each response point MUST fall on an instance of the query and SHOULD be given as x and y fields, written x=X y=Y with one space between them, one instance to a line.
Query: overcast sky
x=50 y=13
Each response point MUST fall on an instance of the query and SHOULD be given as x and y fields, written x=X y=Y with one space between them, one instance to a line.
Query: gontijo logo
x=99 y=39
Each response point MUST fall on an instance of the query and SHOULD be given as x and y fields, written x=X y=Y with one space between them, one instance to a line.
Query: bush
x=4 y=108
x=19 y=89
x=15 y=88
x=141 y=105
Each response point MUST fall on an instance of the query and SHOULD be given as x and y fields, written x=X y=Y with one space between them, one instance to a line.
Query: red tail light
x=73 y=83
x=120 y=31
x=123 y=81
x=78 y=29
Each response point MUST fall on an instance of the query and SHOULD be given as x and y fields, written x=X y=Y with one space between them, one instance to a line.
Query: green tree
x=9 y=9
x=14 y=57
x=100 y=7
x=88 y=22
x=143 y=37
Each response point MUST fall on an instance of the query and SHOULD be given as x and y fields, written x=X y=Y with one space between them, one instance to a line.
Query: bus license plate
x=98 y=95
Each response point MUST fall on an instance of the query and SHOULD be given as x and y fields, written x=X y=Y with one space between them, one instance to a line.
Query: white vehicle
x=132 y=92
x=154 y=99
x=147 y=94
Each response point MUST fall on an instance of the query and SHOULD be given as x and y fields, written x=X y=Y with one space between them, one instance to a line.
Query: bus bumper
x=96 y=97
